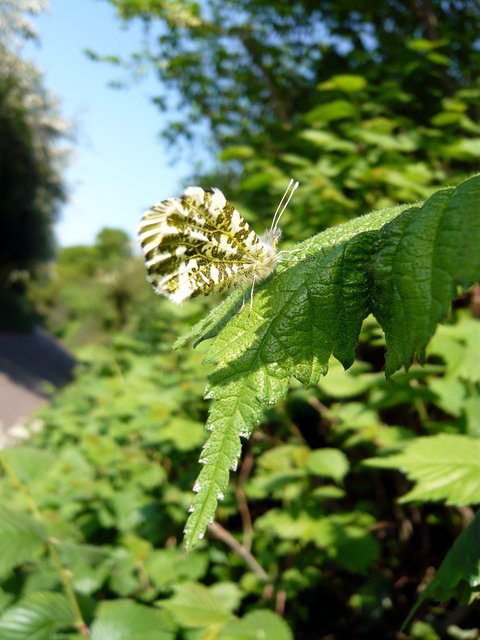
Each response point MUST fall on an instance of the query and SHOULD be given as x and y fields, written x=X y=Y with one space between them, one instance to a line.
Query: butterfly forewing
x=197 y=244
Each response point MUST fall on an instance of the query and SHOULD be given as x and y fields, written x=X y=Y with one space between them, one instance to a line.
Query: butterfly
x=199 y=243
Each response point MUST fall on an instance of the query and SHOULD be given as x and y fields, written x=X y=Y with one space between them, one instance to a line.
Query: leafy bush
x=94 y=507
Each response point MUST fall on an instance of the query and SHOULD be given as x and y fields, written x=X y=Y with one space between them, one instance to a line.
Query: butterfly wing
x=197 y=244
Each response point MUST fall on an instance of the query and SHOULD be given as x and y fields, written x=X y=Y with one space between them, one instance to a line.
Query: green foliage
x=459 y=574
x=400 y=265
x=317 y=533
x=115 y=281
x=248 y=69
x=445 y=467
x=31 y=159
x=112 y=483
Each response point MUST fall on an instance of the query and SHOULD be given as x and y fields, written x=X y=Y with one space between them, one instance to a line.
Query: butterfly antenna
x=280 y=204
x=276 y=219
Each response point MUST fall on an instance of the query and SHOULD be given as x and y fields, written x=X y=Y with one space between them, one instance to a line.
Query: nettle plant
x=402 y=265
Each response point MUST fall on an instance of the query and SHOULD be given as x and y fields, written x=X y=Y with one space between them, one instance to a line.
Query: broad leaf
x=128 y=620
x=195 y=605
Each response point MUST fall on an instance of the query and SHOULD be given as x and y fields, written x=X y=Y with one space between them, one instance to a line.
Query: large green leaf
x=444 y=467
x=37 y=617
x=421 y=255
x=401 y=264
x=21 y=537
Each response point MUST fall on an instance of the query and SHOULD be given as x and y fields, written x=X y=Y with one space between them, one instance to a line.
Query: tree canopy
x=250 y=69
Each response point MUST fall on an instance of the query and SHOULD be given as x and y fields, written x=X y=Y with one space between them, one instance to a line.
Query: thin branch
x=245 y=471
x=225 y=536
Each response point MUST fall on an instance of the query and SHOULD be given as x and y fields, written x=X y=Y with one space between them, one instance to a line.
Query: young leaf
x=313 y=307
x=445 y=467
x=37 y=617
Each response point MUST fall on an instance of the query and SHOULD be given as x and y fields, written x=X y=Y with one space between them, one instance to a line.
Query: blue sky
x=119 y=166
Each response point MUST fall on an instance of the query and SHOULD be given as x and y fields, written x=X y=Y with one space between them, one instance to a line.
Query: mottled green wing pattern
x=199 y=243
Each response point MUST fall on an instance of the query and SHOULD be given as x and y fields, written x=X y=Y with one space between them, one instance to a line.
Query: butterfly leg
x=251 y=296
x=243 y=303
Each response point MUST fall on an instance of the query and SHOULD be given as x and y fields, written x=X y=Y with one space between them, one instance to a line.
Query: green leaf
x=330 y=111
x=21 y=538
x=459 y=574
x=342 y=536
x=128 y=620
x=167 y=566
x=464 y=149
x=328 y=463
x=344 y=82
x=36 y=617
x=262 y=624
x=421 y=255
x=328 y=141
x=401 y=263
x=237 y=152
x=444 y=467
x=195 y=605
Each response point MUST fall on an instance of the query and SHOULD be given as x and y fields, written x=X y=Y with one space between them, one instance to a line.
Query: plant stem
x=225 y=536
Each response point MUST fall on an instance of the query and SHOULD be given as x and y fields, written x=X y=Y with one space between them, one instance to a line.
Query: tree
x=31 y=187
x=249 y=69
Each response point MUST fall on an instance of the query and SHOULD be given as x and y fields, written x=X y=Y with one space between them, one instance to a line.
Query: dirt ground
x=32 y=366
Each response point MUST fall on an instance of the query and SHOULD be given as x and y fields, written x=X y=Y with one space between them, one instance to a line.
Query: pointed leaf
x=421 y=255
x=444 y=467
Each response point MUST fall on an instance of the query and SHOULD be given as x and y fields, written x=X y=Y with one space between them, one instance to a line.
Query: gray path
x=27 y=361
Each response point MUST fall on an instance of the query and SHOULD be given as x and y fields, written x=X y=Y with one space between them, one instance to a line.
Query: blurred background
x=107 y=106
